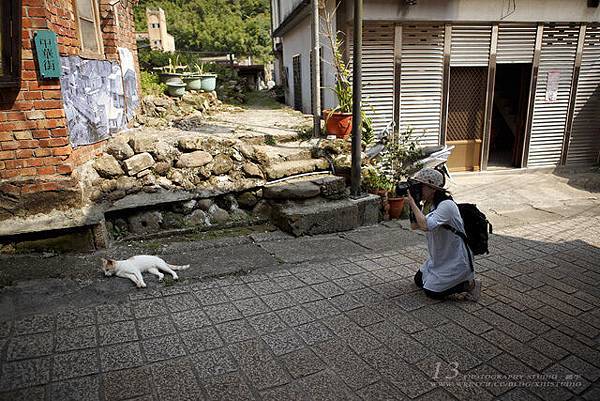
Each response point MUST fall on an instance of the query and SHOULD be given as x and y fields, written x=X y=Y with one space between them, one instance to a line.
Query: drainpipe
x=356 y=96
x=316 y=68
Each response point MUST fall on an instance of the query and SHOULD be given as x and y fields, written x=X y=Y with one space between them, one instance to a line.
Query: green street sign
x=46 y=50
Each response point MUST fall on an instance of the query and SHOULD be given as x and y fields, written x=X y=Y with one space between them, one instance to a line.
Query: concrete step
x=322 y=217
x=323 y=185
x=291 y=151
x=257 y=138
x=289 y=168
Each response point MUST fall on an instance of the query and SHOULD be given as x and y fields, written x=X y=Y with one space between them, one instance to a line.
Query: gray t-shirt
x=448 y=263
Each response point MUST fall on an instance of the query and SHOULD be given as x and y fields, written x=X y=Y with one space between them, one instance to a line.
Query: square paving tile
x=236 y=331
x=27 y=394
x=227 y=387
x=75 y=318
x=267 y=323
x=29 y=346
x=181 y=302
x=211 y=296
x=313 y=333
x=259 y=366
x=121 y=356
x=222 y=313
x=118 y=332
x=114 y=313
x=73 y=339
x=200 y=340
x=155 y=326
x=304 y=294
x=84 y=388
x=283 y=342
x=148 y=308
x=190 y=319
x=295 y=316
x=126 y=384
x=240 y=291
x=302 y=362
x=74 y=364
x=215 y=362
x=278 y=301
x=5 y=328
x=251 y=306
x=26 y=373
x=175 y=380
x=161 y=348
x=34 y=324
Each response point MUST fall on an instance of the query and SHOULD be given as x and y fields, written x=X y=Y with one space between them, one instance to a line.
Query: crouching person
x=448 y=269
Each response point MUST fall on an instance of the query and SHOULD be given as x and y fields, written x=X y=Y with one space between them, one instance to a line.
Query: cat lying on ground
x=133 y=268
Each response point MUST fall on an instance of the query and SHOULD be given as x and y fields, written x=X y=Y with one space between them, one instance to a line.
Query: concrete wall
x=298 y=41
x=479 y=10
x=281 y=9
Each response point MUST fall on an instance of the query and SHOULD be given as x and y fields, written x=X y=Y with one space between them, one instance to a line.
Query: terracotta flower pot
x=396 y=207
x=338 y=124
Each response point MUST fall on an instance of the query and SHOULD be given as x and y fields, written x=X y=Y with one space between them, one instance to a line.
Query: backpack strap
x=464 y=238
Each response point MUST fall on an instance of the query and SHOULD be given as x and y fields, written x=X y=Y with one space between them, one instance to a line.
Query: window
x=155 y=25
x=90 y=35
x=10 y=43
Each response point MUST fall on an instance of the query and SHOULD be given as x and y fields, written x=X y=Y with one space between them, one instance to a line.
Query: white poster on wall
x=552 y=86
x=132 y=99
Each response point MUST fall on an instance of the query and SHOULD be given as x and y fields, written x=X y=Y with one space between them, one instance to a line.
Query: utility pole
x=316 y=71
x=356 y=96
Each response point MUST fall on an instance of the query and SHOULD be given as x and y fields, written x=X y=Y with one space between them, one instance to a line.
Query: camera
x=414 y=187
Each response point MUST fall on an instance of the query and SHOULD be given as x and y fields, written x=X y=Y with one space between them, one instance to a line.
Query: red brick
x=9 y=173
x=34 y=3
x=52 y=161
x=15 y=116
x=33 y=162
x=47 y=104
x=8 y=154
x=62 y=151
x=54 y=123
x=29 y=65
x=52 y=94
x=10 y=164
x=43 y=152
x=28 y=75
x=64 y=169
x=59 y=132
x=28 y=144
x=24 y=153
x=38 y=22
x=5 y=136
x=32 y=95
x=36 y=12
x=23 y=105
x=35 y=114
x=9 y=145
x=40 y=133
x=46 y=170
x=55 y=113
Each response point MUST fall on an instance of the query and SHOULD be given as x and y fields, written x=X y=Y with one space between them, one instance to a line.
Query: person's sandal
x=474 y=293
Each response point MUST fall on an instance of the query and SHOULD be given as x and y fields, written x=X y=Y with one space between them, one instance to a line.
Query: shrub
x=150 y=84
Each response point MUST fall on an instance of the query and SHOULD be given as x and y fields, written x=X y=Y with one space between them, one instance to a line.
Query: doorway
x=509 y=115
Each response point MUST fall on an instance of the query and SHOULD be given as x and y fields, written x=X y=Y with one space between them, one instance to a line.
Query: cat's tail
x=176 y=267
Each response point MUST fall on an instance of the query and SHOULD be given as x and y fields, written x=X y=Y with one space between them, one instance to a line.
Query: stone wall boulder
x=252 y=170
x=141 y=144
x=119 y=149
x=198 y=158
x=139 y=162
x=165 y=152
x=222 y=164
x=107 y=166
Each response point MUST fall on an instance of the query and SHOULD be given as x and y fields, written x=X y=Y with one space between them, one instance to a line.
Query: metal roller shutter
x=516 y=43
x=470 y=45
x=422 y=74
x=559 y=47
x=377 y=72
x=585 y=134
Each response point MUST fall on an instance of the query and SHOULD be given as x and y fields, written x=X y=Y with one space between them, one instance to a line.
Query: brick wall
x=33 y=135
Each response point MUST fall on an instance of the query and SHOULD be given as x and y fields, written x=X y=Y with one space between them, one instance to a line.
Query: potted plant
x=338 y=121
x=398 y=161
x=193 y=80
x=209 y=81
x=169 y=72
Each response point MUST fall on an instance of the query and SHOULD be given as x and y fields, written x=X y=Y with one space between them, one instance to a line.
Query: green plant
x=343 y=86
x=151 y=84
x=199 y=69
x=373 y=179
x=368 y=134
x=399 y=159
x=270 y=140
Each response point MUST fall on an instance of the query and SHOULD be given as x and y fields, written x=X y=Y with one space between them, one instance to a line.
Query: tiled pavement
x=349 y=328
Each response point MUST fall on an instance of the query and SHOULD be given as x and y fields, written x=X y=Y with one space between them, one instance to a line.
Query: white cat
x=133 y=268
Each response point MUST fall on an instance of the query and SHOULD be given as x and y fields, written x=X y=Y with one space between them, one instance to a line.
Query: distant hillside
x=237 y=26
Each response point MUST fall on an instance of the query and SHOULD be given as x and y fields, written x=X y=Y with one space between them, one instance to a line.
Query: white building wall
x=478 y=10
x=298 y=41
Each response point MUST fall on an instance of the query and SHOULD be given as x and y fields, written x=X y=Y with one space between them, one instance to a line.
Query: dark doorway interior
x=509 y=115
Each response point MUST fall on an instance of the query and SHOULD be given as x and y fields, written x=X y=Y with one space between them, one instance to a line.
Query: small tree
x=399 y=159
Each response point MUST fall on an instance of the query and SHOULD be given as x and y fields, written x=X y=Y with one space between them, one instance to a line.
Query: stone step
x=256 y=138
x=291 y=151
x=289 y=168
x=314 y=217
x=323 y=185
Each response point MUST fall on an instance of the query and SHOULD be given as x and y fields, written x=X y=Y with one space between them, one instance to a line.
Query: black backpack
x=477 y=227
